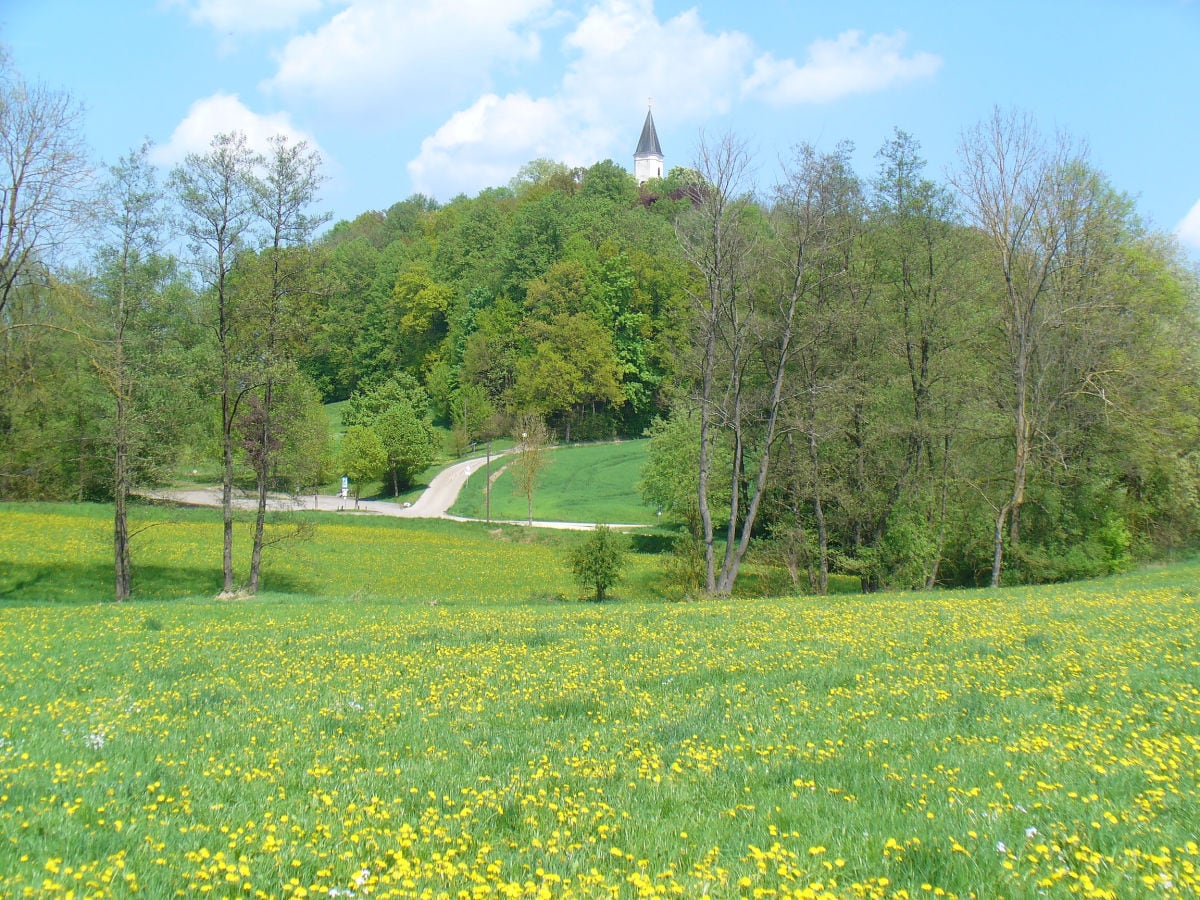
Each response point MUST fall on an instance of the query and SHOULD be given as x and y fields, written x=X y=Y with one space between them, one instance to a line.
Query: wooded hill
x=870 y=373
x=563 y=294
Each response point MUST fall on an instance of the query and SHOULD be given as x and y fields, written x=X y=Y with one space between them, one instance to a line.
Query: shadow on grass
x=652 y=543
x=93 y=583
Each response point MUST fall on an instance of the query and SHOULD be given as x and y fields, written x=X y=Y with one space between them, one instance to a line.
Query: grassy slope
x=334 y=413
x=62 y=552
x=590 y=483
x=1013 y=743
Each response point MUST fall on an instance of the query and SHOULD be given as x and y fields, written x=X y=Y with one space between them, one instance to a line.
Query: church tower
x=648 y=158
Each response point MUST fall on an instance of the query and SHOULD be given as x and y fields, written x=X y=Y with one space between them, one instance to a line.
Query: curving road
x=434 y=503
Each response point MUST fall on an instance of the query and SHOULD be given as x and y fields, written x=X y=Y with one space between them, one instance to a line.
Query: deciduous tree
x=271 y=311
x=746 y=327
x=361 y=457
x=573 y=365
x=216 y=197
x=533 y=440
x=130 y=278
x=717 y=237
x=919 y=260
x=409 y=443
x=1047 y=219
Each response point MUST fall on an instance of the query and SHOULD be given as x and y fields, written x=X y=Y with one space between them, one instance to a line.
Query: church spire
x=648 y=158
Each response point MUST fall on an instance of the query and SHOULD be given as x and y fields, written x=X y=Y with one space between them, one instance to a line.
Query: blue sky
x=450 y=96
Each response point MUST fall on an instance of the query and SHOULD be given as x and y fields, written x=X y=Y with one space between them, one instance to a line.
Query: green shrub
x=599 y=560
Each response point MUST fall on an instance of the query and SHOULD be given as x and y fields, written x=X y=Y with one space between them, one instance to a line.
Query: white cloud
x=240 y=16
x=625 y=54
x=620 y=54
x=1188 y=230
x=218 y=114
x=408 y=54
x=839 y=67
x=485 y=144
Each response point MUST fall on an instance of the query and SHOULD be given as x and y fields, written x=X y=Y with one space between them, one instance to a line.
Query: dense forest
x=992 y=379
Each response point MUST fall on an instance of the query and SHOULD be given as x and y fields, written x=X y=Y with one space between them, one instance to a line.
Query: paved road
x=443 y=490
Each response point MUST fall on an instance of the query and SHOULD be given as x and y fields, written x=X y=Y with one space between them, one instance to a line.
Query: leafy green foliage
x=361 y=456
x=572 y=366
x=597 y=562
x=306 y=457
x=369 y=402
x=408 y=441
x=669 y=478
x=396 y=410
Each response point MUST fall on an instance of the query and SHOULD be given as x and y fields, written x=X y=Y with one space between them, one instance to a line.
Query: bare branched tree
x=44 y=167
x=717 y=241
x=817 y=218
x=744 y=334
x=1047 y=218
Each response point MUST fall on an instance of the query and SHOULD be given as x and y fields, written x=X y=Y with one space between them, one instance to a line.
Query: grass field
x=63 y=552
x=588 y=483
x=1035 y=742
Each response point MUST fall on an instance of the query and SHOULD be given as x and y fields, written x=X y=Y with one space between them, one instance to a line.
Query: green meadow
x=586 y=483
x=414 y=712
x=62 y=552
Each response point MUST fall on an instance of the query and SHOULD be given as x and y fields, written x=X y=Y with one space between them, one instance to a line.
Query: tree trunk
x=822 y=547
x=262 y=473
x=932 y=578
x=998 y=545
x=122 y=569
x=706 y=522
x=814 y=462
x=818 y=506
x=1020 y=471
x=227 y=486
x=260 y=518
x=734 y=556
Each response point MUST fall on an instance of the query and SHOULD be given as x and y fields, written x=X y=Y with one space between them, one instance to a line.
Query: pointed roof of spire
x=648 y=144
